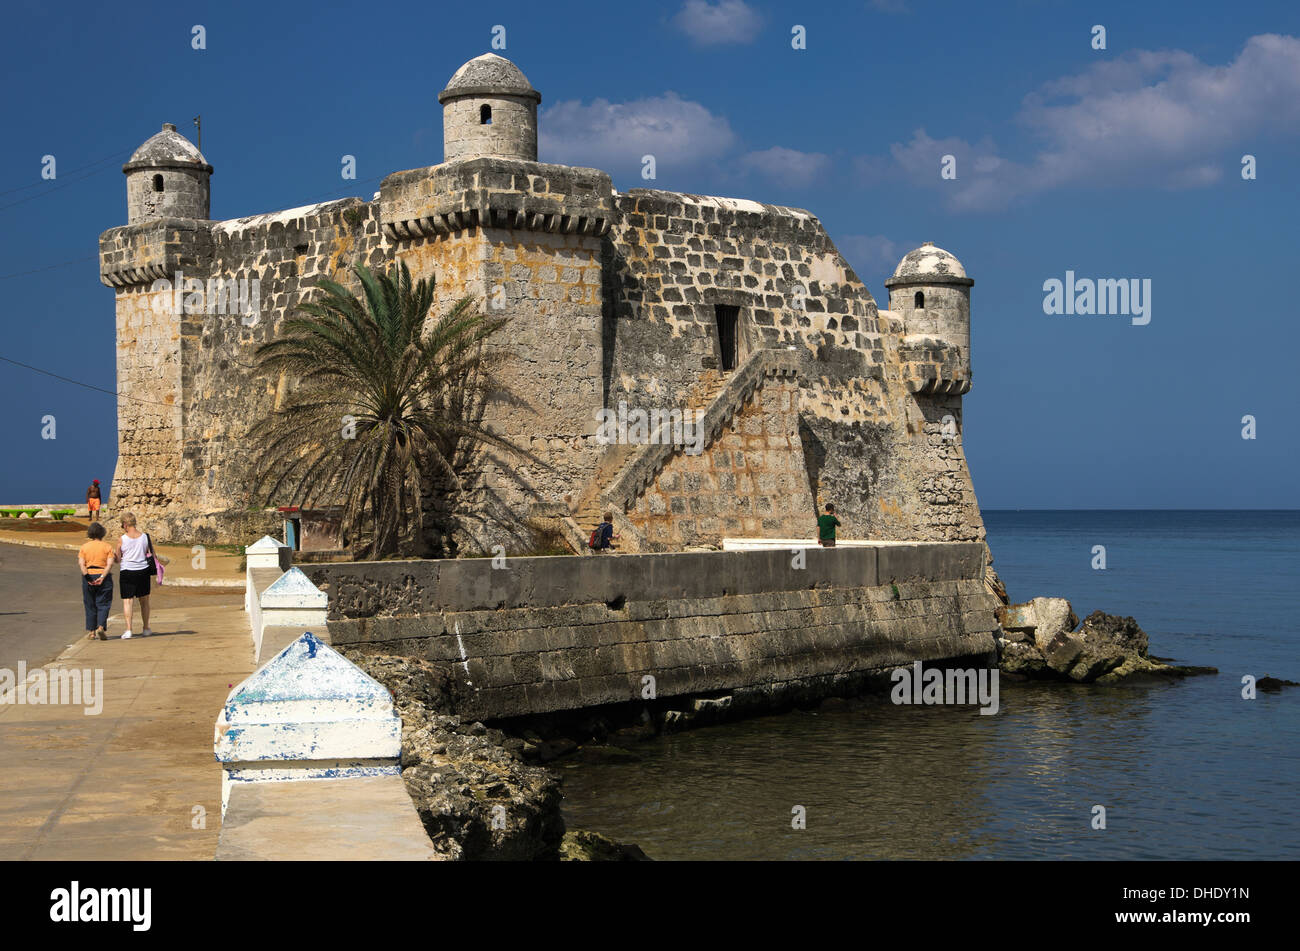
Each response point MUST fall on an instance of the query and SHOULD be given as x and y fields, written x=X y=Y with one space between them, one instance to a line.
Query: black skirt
x=134 y=583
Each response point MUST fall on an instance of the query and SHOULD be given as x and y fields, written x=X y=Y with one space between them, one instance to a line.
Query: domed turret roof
x=489 y=74
x=166 y=149
x=929 y=265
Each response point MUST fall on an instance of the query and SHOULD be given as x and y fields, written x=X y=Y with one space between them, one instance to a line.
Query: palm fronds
x=385 y=405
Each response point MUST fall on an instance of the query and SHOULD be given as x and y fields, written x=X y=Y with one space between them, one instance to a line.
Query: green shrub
x=31 y=513
x=60 y=514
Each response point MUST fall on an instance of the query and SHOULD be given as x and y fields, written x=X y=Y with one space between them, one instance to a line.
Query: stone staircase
x=625 y=472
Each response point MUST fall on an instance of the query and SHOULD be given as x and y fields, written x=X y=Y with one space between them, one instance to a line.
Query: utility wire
x=66 y=184
x=37 y=184
x=89 y=386
x=51 y=267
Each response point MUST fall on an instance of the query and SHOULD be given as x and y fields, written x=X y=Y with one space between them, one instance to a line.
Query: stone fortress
x=742 y=313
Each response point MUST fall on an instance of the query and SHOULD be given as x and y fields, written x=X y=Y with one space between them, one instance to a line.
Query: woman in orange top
x=94 y=559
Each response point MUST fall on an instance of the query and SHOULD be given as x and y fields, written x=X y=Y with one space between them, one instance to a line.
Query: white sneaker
x=126 y=635
x=146 y=632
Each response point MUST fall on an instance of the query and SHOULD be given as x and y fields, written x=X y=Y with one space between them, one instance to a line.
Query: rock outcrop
x=1043 y=639
x=472 y=790
x=473 y=787
x=582 y=846
x=1273 y=684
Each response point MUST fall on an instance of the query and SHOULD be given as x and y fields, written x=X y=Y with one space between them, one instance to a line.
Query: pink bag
x=153 y=556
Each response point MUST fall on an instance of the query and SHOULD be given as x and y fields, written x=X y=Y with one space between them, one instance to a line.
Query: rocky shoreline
x=480 y=792
x=1043 y=639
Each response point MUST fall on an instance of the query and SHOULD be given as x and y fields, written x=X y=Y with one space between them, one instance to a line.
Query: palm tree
x=385 y=413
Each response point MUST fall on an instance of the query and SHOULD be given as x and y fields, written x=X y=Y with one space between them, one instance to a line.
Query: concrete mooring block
x=309 y=713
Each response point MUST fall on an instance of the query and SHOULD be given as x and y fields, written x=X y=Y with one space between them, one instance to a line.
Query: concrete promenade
x=137 y=780
x=214 y=569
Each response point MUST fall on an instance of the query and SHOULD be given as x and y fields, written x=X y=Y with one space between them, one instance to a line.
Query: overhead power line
x=37 y=184
x=50 y=267
x=89 y=386
x=65 y=184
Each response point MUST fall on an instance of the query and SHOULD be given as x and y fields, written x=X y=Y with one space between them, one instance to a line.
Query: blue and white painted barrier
x=309 y=713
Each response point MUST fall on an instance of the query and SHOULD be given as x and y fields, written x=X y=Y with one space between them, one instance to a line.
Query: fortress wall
x=674 y=257
x=546 y=634
x=750 y=481
x=594 y=319
x=286 y=254
x=150 y=434
x=200 y=491
x=547 y=286
x=868 y=444
x=941 y=480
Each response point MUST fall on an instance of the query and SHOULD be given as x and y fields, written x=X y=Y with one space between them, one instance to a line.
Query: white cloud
x=1148 y=118
x=710 y=24
x=615 y=135
x=787 y=166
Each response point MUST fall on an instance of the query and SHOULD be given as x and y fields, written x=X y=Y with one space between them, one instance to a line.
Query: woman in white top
x=134 y=577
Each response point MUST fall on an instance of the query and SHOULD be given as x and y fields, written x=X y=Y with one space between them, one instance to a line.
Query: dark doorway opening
x=727 y=317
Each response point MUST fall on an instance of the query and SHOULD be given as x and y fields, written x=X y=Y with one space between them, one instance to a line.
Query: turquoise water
x=1185 y=770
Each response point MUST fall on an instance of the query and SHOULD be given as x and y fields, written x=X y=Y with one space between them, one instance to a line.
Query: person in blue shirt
x=605 y=533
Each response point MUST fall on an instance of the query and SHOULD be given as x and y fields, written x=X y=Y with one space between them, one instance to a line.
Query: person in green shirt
x=826 y=525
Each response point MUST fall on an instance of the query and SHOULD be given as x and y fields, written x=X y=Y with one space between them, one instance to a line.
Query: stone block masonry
x=549 y=634
x=750 y=481
x=652 y=299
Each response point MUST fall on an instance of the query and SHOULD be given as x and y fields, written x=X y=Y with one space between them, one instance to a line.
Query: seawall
x=540 y=635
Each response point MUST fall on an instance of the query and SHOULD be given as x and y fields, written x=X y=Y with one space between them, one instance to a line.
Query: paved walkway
x=185 y=568
x=40 y=605
x=125 y=783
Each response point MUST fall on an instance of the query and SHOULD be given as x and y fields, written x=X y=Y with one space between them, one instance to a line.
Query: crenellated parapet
x=496 y=193
x=153 y=249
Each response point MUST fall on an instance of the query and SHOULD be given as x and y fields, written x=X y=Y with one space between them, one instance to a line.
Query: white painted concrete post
x=308 y=713
x=290 y=601
x=263 y=553
x=293 y=599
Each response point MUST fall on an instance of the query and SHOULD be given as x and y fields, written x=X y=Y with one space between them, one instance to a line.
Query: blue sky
x=1115 y=163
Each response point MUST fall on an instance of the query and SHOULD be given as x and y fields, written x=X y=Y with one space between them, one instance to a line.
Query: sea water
x=1187 y=769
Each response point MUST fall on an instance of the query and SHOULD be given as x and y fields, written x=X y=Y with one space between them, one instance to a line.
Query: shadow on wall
x=826 y=444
